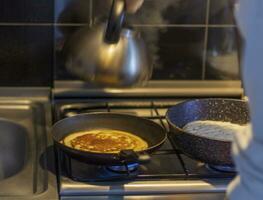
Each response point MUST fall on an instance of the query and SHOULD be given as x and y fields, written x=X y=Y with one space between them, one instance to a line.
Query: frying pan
x=146 y=129
x=210 y=151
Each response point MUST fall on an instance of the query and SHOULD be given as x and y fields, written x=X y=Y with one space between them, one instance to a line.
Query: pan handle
x=130 y=156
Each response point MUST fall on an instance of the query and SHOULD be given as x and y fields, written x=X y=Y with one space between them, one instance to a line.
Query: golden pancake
x=104 y=141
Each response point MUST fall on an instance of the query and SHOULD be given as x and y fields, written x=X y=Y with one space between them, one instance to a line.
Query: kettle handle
x=115 y=22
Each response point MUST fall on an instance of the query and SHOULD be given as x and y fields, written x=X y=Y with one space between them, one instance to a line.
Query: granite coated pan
x=146 y=129
x=211 y=151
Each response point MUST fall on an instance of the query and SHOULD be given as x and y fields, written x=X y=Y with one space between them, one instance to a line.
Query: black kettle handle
x=115 y=21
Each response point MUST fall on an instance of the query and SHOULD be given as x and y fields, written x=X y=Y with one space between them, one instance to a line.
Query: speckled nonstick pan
x=146 y=129
x=214 y=152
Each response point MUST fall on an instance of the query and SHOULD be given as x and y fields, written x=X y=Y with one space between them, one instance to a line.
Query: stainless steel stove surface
x=169 y=175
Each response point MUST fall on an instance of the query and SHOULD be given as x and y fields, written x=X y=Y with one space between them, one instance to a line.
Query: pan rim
x=115 y=114
x=191 y=134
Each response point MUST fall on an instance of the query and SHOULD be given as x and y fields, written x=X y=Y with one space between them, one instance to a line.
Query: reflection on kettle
x=110 y=55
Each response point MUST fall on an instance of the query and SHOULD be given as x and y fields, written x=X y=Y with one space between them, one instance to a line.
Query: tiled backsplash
x=188 y=39
x=26 y=42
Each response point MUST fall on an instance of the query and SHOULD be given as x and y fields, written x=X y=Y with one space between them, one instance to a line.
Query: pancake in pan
x=104 y=141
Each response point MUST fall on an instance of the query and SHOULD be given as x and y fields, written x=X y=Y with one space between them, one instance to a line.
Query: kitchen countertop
x=30 y=109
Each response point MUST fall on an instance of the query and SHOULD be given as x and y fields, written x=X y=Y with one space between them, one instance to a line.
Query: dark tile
x=170 y=12
x=177 y=52
x=26 y=11
x=158 y=12
x=26 y=56
x=221 y=12
x=62 y=36
x=72 y=11
x=222 y=56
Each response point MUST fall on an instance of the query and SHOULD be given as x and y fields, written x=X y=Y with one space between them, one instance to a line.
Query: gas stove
x=169 y=175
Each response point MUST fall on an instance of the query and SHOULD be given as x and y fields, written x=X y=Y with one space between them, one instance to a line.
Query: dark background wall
x=188 y=39
x=26 y=42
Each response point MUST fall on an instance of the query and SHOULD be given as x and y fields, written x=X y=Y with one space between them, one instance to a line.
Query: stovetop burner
x=222 y=168
x=124 y=169
x=167 y=163
x=82 y=172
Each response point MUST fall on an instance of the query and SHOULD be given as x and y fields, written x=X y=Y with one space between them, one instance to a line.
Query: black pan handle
x=115 y=22
x=130 y=156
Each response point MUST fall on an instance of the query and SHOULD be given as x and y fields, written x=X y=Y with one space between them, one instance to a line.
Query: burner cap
x=124 y=168
x=222 y=168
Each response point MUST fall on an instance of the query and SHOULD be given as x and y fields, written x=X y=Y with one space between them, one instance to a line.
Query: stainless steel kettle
x=109 y=55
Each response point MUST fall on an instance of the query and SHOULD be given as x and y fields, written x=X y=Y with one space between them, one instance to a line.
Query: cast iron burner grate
x=167 y=163
x=82 y=172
